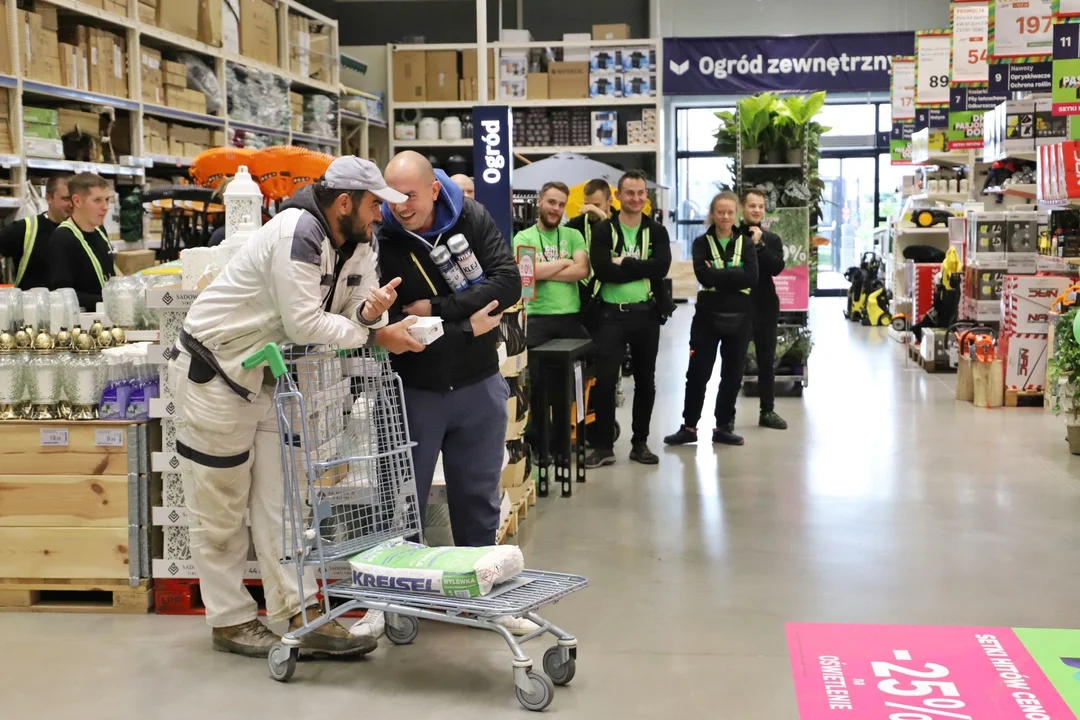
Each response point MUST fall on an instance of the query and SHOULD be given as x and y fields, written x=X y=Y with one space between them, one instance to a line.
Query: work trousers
x=541 y=329
x=638 y=327
x=468 y=426
x=704 y=339
x=230 y=463
x=765 y=322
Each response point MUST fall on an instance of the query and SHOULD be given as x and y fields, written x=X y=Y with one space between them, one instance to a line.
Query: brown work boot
x=331 y=638
x=250 y=639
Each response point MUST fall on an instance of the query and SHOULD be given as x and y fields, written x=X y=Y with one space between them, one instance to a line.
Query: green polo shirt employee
x=630 y=255
x=726 y=266
x=26 y=243
x=81 y=255
x=562 y=261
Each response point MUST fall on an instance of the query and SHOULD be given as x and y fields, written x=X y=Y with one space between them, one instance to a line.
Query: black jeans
x=639 y=328
x=704 y=339
x=540 y=329
x=765 y=321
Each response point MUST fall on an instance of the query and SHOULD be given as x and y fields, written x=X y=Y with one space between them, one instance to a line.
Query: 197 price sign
x=1023 y=28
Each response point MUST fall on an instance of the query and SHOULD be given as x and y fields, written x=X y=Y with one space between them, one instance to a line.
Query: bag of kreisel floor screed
x=454 y=571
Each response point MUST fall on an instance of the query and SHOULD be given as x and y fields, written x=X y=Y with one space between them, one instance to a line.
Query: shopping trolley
x=349 y=485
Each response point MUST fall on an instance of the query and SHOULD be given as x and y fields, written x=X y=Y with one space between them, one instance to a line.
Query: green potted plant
x=755 y=116
x=795 y=122
x=727 y=139
x=1063 y=377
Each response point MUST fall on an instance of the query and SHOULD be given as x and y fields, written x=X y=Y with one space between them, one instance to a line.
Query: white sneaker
x=517 y=626
x=373 y=625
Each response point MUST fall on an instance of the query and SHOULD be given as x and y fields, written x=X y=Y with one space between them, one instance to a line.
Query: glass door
x=849 y=216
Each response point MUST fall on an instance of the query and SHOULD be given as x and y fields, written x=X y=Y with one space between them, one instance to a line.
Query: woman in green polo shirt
x=725 y=263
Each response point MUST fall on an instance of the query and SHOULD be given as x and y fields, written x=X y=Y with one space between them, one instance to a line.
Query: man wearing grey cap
x=309 y=276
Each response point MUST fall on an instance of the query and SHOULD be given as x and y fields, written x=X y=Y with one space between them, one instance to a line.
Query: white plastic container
x=451 y=128
x=429 y=129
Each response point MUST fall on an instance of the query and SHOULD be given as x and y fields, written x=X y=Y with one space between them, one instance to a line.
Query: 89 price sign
x=933 y=55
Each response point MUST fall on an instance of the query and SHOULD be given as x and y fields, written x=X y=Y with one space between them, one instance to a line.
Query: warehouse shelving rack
x=136 y=34
x=653 y=149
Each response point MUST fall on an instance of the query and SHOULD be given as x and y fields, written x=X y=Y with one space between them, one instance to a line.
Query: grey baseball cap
x=352 y=173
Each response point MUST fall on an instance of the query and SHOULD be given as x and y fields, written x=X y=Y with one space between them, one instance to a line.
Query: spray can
x=466 y=259
x=449 y=269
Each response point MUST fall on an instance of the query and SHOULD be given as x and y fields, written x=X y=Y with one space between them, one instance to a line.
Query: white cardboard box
x=427 y=329
x=1025 y=361
x=1026 y=301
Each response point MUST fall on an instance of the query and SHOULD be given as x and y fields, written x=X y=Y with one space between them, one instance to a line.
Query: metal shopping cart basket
x=349 y=485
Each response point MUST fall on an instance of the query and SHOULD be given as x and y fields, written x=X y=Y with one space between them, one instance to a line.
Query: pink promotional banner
x=893 y=672
x=793 y=289
x=793 y=284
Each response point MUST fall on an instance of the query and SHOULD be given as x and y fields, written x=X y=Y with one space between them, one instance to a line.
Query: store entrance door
x=848 y=219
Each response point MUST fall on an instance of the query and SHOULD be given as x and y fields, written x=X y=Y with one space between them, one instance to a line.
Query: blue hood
x=447 y=209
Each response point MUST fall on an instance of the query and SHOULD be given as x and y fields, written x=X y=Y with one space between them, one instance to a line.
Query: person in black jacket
x=26 y=242
x=725 y=263
x=770 y=256
x=81 y=256
x=454 y=394
x=630 y=256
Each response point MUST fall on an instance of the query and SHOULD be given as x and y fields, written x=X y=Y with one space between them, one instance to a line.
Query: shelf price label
x=54 y=437
x=933 y=55
x=971 y=31
x=903 y=88
x=1021 y=28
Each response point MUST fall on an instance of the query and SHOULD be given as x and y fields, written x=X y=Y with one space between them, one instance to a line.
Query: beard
x=354 y=230
x=546 y=225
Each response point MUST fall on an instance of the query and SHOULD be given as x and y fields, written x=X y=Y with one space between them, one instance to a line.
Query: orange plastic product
x=216 y=164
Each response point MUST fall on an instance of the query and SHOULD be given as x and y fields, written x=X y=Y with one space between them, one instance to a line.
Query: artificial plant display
x=1063 y=376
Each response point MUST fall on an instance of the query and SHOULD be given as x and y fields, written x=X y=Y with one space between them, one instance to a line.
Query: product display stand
x=518 y=486
x=558 y=365
x=74 y=519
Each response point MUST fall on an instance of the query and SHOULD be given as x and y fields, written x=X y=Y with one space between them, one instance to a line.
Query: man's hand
x=380 y=301
x=618 y=260
x=483 y=321
x=420 y=308
x=755 y=234
x=594 y=212
x=396 y=338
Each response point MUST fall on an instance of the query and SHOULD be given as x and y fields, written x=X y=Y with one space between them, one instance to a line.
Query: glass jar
x=11 y=309
x=43 y=379
x=121 y=295
x=36 y=308
x=84 y=379
x=12 y=378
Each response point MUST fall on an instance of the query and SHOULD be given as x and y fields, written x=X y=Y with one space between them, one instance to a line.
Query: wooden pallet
x=75 y=596
x=509 y=527
x=930 y=366
x=1024 y=398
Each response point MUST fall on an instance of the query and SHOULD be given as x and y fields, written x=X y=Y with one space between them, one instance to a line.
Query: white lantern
x=242 y=198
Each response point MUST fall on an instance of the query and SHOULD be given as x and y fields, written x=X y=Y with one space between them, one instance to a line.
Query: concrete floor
x=886 y=502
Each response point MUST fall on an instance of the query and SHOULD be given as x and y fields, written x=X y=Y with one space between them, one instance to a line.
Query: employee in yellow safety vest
x=80 y=255
x=725 y=263
x=26 y=243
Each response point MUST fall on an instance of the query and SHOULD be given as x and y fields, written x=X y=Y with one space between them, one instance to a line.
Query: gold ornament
x=96 y=327
x=44 y=341
x=63 y=339
x=7 y=342
x=105 y=340
x=76 y=332
x=23 y=339
x=84 y=343
x=118 y=335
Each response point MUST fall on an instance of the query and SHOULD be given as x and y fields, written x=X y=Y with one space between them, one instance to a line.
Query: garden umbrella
x=566 y=167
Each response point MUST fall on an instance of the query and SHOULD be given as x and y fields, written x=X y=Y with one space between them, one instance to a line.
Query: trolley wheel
x=282 y=661
x=618 y=430
x=402 y=637
x=559 y=674
x=539 y=696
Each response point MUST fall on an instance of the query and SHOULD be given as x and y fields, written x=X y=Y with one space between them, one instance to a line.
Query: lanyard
x=423 y=240
x=543 y=247
x=70 y=225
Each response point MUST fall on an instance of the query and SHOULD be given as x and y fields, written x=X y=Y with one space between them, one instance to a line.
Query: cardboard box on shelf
x=617 y=31
x=175 y=73
x=568 y=80
x=441 y=70
x=638 y=59
x=605 y=85
x=132 y=261
x=41 y=116
x=1026 y=301
x=513 y=65
x=605 y=60
x=5 y=57
x=51 y=149
x=178 y=17
x=176 y=147
x=40 y=131
x=639 y=84
x=148 y=12
x=211 y=17
x=259 y=31
x=537 y=86
x=987 y=239
x=217 y=138
x=48 y=16
x=580 y=53
x=508 y=35
x=605 y=127
x=410 y=76
x=515 y=89
x=119 y=78
x=87 y=123
x=470 y=64
x=118 y=7
x=230 y=29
